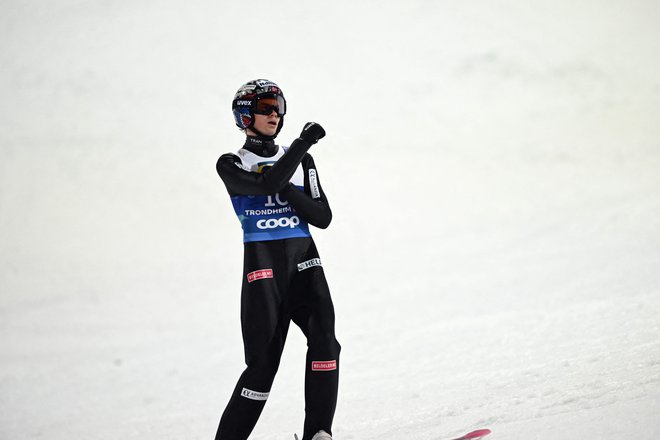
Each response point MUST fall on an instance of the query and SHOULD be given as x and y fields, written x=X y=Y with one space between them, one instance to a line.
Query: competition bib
x=268 y=217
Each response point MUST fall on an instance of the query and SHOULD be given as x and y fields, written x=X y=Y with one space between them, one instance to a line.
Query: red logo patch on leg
x=324 y=365
x=259 y=275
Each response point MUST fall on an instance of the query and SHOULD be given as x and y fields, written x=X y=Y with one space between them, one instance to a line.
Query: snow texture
x=494 y=172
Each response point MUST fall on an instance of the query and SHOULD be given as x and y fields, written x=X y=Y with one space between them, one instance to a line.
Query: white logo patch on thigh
x=309 y=263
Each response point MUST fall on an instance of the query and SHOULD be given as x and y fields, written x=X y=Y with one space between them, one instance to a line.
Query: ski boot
x=321 y=435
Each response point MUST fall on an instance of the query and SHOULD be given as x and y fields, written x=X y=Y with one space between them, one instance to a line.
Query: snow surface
x=494 y=172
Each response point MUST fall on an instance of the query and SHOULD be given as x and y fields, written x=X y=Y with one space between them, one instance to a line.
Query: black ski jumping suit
x=276 y=194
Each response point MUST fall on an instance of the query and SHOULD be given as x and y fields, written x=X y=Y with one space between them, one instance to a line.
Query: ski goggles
x=267 y=104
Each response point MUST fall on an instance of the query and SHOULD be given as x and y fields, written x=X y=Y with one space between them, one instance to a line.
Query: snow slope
x=493 y=170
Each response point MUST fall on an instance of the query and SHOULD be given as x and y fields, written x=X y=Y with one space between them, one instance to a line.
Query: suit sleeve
x=311 y=204
x=241 y=182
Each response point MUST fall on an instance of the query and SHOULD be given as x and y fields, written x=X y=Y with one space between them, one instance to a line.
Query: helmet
x=244 y=105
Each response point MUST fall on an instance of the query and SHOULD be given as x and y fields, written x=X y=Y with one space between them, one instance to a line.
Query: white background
x=494 y=172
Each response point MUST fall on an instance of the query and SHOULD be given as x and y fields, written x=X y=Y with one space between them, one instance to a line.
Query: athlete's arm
x=239 y=181
x=311 y=204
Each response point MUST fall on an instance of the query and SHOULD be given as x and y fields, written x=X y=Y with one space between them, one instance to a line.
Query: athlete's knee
x=324 y=341
x=264 y=364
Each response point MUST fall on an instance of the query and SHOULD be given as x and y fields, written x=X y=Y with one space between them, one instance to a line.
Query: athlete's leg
x=264 y=333
x=314 y=314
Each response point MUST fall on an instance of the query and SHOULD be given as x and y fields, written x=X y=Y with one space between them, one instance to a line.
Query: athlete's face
x=266 y=124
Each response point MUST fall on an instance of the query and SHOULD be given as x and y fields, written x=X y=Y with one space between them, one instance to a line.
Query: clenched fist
x=312 y=132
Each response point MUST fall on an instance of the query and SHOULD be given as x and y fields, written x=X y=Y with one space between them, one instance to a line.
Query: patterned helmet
x=244 y=105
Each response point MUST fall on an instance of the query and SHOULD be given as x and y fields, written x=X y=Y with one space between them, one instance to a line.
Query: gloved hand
x=312 y=132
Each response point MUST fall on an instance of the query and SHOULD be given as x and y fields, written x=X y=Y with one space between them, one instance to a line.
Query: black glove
x=312 y=132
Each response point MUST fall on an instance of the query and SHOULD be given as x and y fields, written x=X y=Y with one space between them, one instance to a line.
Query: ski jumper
x=277 y=194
